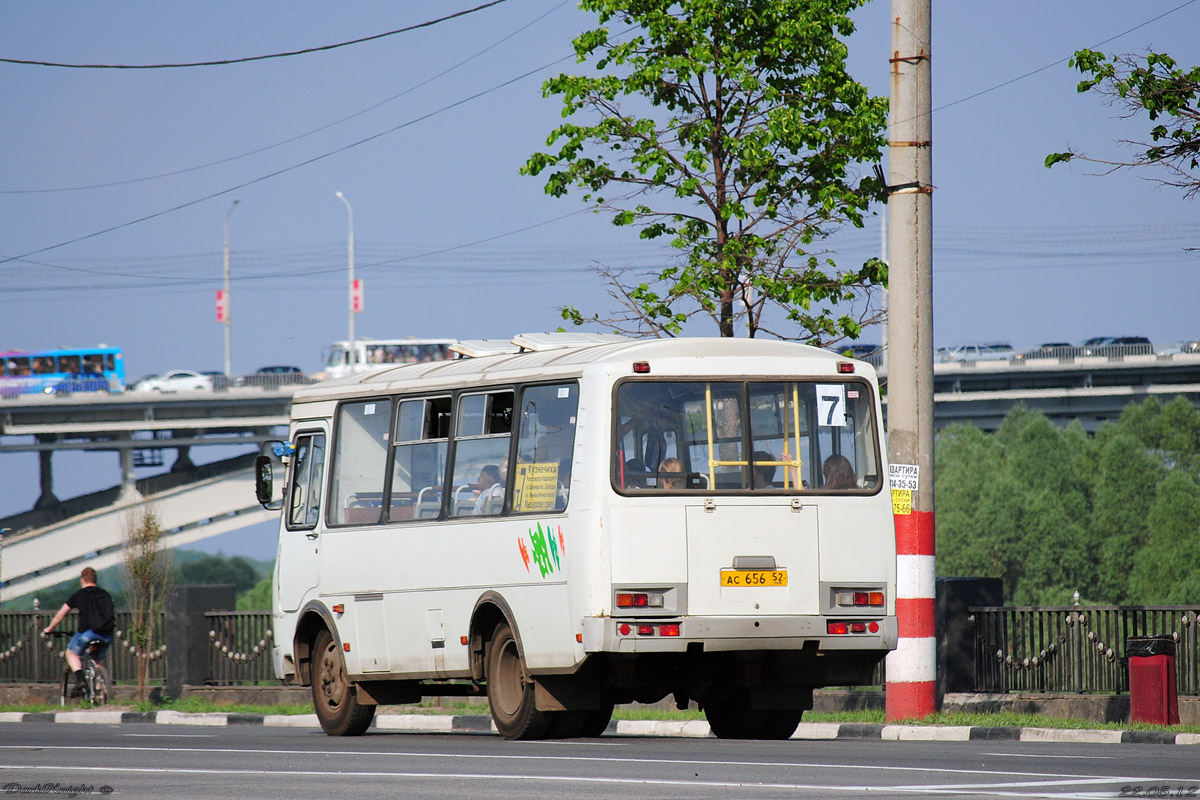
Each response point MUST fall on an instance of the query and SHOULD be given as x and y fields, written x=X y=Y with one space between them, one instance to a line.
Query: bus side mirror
x=267 y=490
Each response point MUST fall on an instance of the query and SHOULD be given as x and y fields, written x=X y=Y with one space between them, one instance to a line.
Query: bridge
x=51 y=542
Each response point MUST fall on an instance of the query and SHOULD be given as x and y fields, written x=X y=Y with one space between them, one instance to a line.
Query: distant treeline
x=1114 y=516
x=250 y=577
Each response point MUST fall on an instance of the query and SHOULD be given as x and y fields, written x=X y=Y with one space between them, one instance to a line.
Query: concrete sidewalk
x=479 y=724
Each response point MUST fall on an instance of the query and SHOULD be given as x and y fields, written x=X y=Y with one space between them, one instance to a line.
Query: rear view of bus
x=752 y=542
x=568 y=522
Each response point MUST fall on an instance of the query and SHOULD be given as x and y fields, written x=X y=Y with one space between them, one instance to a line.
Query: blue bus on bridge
x=61 y=371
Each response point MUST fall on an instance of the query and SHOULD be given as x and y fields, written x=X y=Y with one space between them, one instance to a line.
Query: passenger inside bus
x=491 y=491
x=839 y=473
x=764 y=474
x=670 y=474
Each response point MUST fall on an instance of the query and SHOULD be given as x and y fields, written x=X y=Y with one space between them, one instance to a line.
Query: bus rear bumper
x=721 y=634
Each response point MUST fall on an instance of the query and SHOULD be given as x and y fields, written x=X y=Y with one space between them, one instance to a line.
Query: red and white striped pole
x=912 y=667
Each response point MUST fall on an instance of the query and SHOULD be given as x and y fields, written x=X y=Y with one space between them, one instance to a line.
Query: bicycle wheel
x=100 y=686
x=68 y=683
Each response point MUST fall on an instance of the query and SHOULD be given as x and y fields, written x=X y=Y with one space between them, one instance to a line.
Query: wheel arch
x=312 y=619
x=490 y=610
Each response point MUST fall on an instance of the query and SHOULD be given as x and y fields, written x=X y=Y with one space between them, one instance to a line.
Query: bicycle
x=96 y=683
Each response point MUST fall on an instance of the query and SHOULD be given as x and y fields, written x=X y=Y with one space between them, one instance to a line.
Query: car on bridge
x=273 y=377
x=1117 y=346
x=986 y=351
x=177 y=380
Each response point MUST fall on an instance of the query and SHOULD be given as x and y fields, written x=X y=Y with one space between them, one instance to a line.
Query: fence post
x=956 y=632
x=187 y=632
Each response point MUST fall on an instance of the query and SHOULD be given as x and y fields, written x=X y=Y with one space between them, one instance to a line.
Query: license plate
x=757 y=577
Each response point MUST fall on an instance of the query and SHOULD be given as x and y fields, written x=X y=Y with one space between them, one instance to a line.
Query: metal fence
x=1077 y=649
x=240 y=648
x=26 y=656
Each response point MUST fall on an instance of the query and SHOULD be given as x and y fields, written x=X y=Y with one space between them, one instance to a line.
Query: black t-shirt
x=95 y=607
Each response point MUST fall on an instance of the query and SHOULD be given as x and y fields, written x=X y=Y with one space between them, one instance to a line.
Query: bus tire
x=334 y=700
x=595 y=723
x=732 y=718
x=780 y=724
x=511 y=691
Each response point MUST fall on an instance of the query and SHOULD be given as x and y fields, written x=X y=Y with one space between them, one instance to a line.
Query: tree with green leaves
x=731 y=129
x=147 y=572
x=1169 y=95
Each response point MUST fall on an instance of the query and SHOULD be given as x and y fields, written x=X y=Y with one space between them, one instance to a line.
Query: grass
x=467 y=707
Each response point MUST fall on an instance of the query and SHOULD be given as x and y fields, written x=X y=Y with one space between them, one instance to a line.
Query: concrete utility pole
x=353 y=352
x=228 y=300
x=911 y=669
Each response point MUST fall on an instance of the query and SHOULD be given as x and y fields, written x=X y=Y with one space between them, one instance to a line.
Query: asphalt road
x=237 y=762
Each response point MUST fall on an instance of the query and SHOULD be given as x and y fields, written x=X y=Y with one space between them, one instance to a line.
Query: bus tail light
x=869 y=599
x=844 y=628
x=649 y=629
x=639 y=600
x=845 y=367
x=641 y=368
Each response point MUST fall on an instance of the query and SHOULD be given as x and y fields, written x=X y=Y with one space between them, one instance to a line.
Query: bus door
x=753 y=545
x=299 y=541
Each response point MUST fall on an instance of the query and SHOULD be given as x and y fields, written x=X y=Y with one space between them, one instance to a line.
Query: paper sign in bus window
x=831 y=405
x=536 y=487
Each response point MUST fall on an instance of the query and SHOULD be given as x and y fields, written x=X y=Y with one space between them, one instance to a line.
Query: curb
x=806 y=731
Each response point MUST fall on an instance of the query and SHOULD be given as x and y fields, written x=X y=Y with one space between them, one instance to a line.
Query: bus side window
x=360 y=461
x=545 y=447
x=481 y=440
x=419 y=459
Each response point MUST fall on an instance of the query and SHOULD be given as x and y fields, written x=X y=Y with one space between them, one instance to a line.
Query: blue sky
x=424 y=133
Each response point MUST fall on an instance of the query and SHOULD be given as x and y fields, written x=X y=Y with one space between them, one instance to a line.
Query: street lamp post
x=228 y=304
x=350 y=267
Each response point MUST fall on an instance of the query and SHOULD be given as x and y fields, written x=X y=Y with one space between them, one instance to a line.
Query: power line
x=281 y=171
x=297 y=137
x=1059 y=61
x=247 y=59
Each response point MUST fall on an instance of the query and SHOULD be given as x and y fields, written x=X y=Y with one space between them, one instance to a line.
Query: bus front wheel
x=511 y=691
x=337 y=708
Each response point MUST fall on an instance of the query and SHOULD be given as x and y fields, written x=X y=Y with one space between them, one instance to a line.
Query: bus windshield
x=745 y=436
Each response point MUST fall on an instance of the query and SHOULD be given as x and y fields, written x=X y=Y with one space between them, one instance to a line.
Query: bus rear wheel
x=510 y=690
x=337 y=708
x=732 y=718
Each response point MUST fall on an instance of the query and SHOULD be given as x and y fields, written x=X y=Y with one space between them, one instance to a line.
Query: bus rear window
x=745 y=436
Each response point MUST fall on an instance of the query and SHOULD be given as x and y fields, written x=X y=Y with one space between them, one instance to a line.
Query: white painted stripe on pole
x=913 y=660
x=915 y=577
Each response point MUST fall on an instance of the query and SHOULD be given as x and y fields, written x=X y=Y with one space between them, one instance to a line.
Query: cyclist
x=96 y=620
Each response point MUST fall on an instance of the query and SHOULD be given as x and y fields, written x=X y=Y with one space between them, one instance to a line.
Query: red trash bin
x=1152 y=691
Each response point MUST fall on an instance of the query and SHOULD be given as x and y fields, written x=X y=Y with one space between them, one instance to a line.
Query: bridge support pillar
x=129 y=492
x=183 y=459
x=46 y=477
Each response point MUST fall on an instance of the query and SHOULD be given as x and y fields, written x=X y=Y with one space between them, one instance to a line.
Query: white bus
x=571 y=522
x=373 y=354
